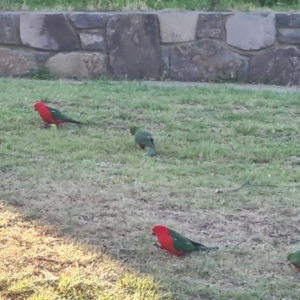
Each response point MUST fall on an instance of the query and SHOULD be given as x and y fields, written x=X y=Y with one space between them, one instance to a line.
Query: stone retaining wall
x=183 y=46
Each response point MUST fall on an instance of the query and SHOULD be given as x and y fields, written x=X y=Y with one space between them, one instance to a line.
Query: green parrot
x=144 y=139
x=294 y=259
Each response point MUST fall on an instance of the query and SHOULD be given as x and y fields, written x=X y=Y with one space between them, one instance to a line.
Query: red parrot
x=51 y=115
x=176 y=244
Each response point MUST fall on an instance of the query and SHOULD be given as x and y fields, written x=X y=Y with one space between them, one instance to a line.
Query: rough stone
x=206 y=60
x=16 y=63
x=288 y=35
x=165 y=62
x=249 y=31
x=9 y=29
x=89 y=20
x=177 y=27
x=276 y=66
x=96 y=63
x=288 y=20
x=211 y=26
x=47 y=31
x=42 y=56
x=68 y=65
x=133 y=42
x=93 y=41
x=77 y=65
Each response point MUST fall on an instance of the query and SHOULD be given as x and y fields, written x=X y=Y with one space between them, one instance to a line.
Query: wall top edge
x=148 y=12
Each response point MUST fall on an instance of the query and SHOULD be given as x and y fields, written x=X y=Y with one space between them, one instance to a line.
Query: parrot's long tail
x=201 y=247
x=75 y=122
x=150 y=151
x=208 y=248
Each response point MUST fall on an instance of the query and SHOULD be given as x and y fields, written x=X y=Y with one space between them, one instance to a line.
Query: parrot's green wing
x=181 y=243
x=58 y=115
x=145 y=138
x=294 y=258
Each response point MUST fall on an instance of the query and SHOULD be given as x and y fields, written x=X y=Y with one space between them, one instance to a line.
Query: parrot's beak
x=152 y=233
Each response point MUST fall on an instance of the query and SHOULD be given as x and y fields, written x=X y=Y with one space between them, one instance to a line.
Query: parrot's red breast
x=44 y=112
x=165 y=241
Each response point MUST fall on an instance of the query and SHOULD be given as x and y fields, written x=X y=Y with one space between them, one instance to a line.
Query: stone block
x=16 y=63
x=177 y=27
x=9 y=29
x=93 y=41
x=77 y=65
x=276 y=66
x=134 y=46
x=211 y=26
x=165 y=62
x=289 y=35
x=89 y=20
x=250 y=31
x=47 y=32
x=206 y=60
x=288 y=20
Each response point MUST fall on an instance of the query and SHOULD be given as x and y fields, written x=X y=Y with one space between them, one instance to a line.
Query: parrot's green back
x=57 y=115
x=294 y=258
x=144 y=137
x=181 y=243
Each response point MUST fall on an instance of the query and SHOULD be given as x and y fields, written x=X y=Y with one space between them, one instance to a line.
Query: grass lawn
x=90 y=184
x=96 y=5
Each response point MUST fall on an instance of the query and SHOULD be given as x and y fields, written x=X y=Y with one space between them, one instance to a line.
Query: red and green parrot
x=51 y=115
x=294 y=259
x=144 y=139
x=176 y=244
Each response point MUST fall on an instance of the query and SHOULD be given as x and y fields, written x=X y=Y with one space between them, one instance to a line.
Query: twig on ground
x=294 y=241
x=231 y=250
x=26 y=144
x=218 y=191
x=248 y=182
x=16 y=203
x=121 y=248
x=47 y=259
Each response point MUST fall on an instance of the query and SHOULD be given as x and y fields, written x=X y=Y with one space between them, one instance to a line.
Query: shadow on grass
x=38 y=262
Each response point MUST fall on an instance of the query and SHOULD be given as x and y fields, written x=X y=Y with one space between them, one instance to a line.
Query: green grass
x=93 y=185
x=96 y=5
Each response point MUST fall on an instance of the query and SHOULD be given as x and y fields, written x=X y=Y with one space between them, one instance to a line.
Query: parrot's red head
x=38 y=105
x=159 y=230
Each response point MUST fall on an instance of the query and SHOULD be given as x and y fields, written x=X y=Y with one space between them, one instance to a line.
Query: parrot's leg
x=141 y=147
x=45 y=126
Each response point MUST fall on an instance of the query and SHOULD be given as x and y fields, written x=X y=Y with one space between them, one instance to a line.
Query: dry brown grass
x=95 y=188
x=37 y=262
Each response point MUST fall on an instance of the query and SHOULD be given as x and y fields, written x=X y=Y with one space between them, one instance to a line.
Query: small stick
x=231 y=250
x=121 y=248
x=218 y=191
x=28 y=143
x=248 y=182
x=47 y=259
